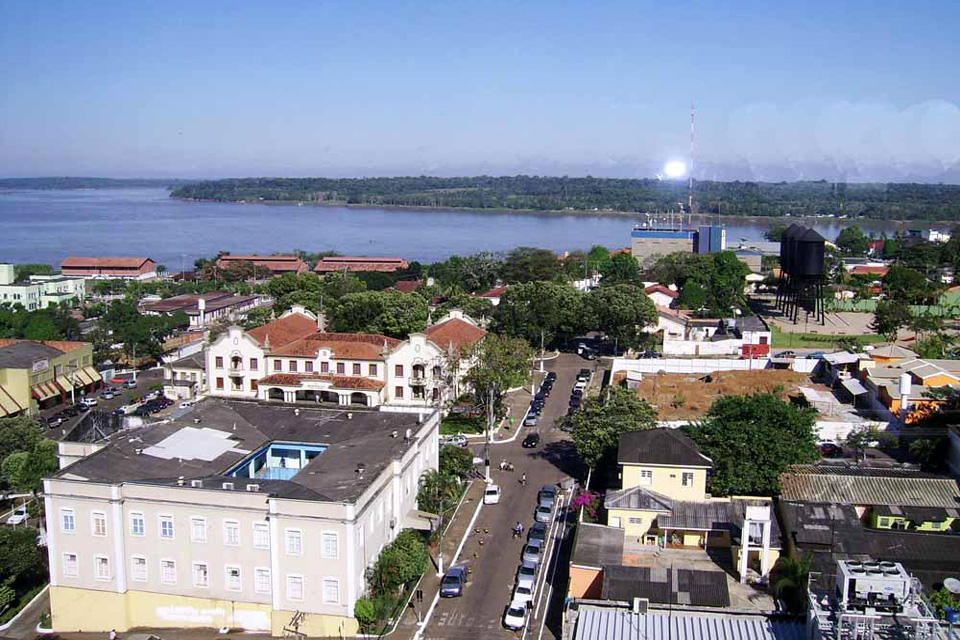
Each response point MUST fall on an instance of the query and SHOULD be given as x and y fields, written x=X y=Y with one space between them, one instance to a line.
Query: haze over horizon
x=846 y=92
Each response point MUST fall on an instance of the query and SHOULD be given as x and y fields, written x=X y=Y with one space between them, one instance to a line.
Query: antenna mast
x=692 y=157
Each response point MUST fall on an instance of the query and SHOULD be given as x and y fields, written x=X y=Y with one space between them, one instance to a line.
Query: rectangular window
x=254 y=385
x=68 y=521
x=98 y=524
x=295 y=587
x=293 y=366
x=198 y=529
x=70 y=564
x=218 y=362
x=201 y=575
x=398 y=392
x=101 y=566
x=233 y=578
x=254 y=364
x=261 y=580
x=168 y=572
x=687 y=479
x=341 y=368
x=231 y=533
x=372 y=370
x=139 y=568
x=294 y=542
x=166 y=527
x=220 y=383
x=329 y=545
x=308 y=366
x=398 y=370
x=331 y=591
x=646 y=476
x=356 y=368
x=324 y=367
x=278 y=365
x=261 y=535
x=138 y=526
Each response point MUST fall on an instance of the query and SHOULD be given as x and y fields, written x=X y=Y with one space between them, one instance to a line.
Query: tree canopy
x=714 y=282
x=623 y=268
x=390 y=313
x=622 y=312
x=552 y=310
x=752 y=439
x=598 y=425
x=500 y=363
x=529 y=264
x=853 y=241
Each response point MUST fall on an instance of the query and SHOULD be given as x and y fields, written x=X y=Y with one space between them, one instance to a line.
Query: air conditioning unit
x=253 y=487
x=227 y=486
x=196 y=484
x=640 y=605
x=393 y=523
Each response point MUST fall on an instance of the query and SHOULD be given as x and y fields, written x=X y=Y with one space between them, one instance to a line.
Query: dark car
x=576 y=393
x=531 y=441
x=70 y=412
x=572 y=410
x=545 y=390
x=537 y=532
x=575 y=402
x=786 y=354
x=452 y=584
x=830 y=450
x=651 y=354
x=552 y=375
x=583 y=375
x=80 y=407
x=589 y=354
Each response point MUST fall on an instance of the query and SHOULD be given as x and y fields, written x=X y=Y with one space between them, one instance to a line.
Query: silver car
x=527 y=575
x=532 y=551
x=543 y=514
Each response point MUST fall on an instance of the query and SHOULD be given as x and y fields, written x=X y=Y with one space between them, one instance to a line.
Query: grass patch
x=8 y=615
x=824 y=341
x=452 y=425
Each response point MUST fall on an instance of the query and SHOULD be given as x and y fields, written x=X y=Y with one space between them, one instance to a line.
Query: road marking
x=543 y=620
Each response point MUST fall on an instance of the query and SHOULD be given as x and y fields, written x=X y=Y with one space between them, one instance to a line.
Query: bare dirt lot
x=679 y=396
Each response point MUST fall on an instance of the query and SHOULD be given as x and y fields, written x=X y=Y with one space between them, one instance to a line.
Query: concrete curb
x=26 y=607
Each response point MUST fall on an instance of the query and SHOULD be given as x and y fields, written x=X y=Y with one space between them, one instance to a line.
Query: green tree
x=438 y=492
x=902 y=284
x=500 y=363
x=597 y=427
x=752 y=439
x=364 y=612
x=790 y=578
x=889 y=317
x=622 y=269
x=529 y=264
x=622 y=312
x=400 y=562
x=853 y=241
x=24 y=470
x=455 y=461
x=390 y=313
x=24 y=271
x=23 y=563
x=477 y=308
x=775 y=232
x=931 y=453
x=942 y=598
x=257 y=318
x=692 y=296
x=553 y=311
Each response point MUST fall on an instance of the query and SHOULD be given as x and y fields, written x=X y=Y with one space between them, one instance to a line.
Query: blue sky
x=853 y=90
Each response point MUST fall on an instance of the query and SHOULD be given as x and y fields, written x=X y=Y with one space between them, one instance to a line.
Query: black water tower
x=809 y=254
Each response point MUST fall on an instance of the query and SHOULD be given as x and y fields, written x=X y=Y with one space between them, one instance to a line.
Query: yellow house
x=664 y=501
x=36 y=375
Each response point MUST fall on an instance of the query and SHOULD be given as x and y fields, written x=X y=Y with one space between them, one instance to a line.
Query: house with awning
x=39 y=374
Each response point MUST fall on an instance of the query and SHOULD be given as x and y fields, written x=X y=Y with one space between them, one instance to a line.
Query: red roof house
x=276 y=265
x=332 y=264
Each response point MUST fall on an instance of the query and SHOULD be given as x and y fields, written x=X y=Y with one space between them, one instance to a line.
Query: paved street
x=492 y=555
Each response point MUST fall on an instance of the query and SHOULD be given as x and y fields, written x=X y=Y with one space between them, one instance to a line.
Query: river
x=46 y=226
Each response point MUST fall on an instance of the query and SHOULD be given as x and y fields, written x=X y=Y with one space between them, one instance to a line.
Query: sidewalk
x=430 y=583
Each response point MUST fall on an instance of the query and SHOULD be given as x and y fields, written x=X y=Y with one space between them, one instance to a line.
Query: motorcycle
x=506 y=466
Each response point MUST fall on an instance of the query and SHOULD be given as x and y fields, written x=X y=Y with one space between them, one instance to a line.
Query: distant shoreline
x=583 y=213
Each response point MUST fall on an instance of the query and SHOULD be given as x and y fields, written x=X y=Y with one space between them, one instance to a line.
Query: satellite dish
x=952 y=585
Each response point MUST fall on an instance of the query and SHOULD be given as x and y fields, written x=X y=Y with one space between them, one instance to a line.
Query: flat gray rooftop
x=209 y=441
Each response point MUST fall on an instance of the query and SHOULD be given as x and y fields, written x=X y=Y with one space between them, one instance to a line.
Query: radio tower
x=692 y=156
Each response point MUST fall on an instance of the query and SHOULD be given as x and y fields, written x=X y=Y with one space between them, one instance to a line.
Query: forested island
x=876 y=201
x=54 y=183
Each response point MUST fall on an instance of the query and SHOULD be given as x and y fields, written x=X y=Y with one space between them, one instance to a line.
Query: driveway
x=493 y=555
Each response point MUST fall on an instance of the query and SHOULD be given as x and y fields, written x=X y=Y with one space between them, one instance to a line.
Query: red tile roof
x=659 y=288
x=456 y=331
x=339 y=382
x=352 y=346
x=284 y=330
x=864 y=270
x=80 y=262
x=496 y=292
x=276 y=264
x=359 y=263
x=407 y=286
x=63 y=346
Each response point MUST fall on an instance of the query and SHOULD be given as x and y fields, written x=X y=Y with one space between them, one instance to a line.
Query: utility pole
x=486 y=448
x=541 y=351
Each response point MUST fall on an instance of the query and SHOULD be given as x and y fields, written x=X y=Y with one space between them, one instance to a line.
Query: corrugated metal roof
x=598 y=623
x=867 y=486
x=853 y=386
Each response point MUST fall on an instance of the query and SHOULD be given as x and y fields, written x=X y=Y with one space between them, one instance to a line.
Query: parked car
x=70 y=412
x=545 y=390
x=537 y=532
x=531 y=420
x=186 y=404
x=455 y=440
x=650 y=354
x=515 y=617
x=535 y=410
x=531 y=441
x=492 y=494
x=527 y=574
x=19 y=516
x=589 y=354
x=54 y=421
x=130 y=384
x=583 y=374
x=577 y=392
x=80 y=408
x=830 y=450
x=581 y=385
x=575 y=402
x=786 y=354
x=108 y=394
x=551 y=376
x=547 y=497
x=816 y=355
x=566 y=424
x=453 y=581
x=543 y=514
x=521 y=596
x=572 y=410
x=532 y=551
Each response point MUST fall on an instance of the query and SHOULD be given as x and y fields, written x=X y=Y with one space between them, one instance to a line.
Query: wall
x=954 y=455
x=621 y=518
x=701 y=348
x=667 y=480
x=686 y=365
x=585 y=582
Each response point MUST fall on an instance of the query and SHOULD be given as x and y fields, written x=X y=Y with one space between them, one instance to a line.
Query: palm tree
x=438 y=491
x=790 y=580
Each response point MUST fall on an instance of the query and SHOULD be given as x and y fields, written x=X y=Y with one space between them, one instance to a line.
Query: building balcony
x=235 y=369
x=418 y=380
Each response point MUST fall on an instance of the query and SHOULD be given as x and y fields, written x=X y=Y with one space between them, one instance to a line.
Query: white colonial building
x=291 y=360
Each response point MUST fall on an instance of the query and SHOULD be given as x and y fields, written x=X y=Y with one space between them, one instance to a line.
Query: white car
x=186 y=404
x=89 y=401
x=19 y=516
x=491 y=495
x=515 y=617
x=527 y=574
x=522 y=594
x=456 y=440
